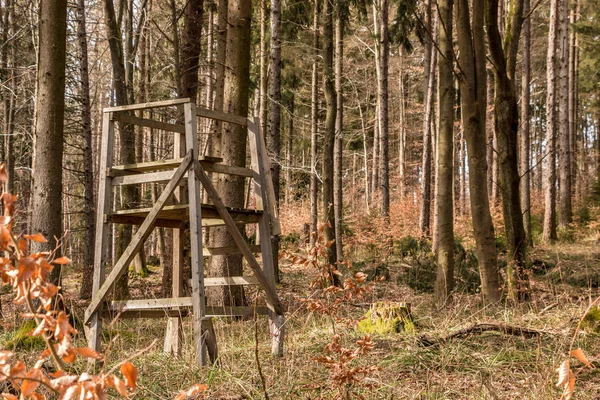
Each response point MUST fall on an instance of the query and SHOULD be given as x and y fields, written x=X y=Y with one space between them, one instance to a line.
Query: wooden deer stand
x=180 y=207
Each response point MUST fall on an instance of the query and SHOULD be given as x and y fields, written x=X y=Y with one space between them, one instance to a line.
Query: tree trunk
x=565 y=209
x=471 y=43
x=445 y=148
x=314 y=118
x=289 y=149
x=425 y=215
x=49 y=122
x=126 y=138
x=329 y=134
x=263 y=78
x=217 y=131
x=237 y=79
x=176 y=50
x=274 y=142
x=550 y=159
x=506 y=118
x=524 y=147
x=338 y=203
x=85 y=292
x=383 y=108
x=190 y=49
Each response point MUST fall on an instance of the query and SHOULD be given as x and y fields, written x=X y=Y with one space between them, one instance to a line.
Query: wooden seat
x=161 y=165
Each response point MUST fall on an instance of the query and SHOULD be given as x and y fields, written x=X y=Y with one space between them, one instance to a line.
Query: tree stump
x=386 y=318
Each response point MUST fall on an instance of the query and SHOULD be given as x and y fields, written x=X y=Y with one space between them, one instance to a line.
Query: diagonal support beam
x=138 y=240
x=272 y=299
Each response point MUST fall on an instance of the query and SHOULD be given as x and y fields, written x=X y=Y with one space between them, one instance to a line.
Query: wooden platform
x=176 y=216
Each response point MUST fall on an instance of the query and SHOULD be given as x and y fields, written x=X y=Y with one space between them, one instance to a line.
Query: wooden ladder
x=185 y=176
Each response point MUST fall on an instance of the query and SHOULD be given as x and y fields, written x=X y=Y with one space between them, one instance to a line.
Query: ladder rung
x=228 y=281
x=157 y=308
x=222 y=251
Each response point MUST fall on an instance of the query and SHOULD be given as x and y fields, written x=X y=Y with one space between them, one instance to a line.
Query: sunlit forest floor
x=488 y=365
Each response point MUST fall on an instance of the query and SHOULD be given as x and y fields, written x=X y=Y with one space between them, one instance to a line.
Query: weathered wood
x=262 y=182
x=264 y=174
x=138 y=240
x=228 y=170
x=174 y=331
x=179 y=213
x=197 y=267
x=142 y=106
x=221 y=251
x=94 y=334
x=148 y=123
x=160 y=165
x=228 y=281
x=152 y=177
x=271 y=295
x=221 y=116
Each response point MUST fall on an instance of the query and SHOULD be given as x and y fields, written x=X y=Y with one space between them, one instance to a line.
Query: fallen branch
x=481 y=328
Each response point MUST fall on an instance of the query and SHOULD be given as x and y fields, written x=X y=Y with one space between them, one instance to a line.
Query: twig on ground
x=481 y=328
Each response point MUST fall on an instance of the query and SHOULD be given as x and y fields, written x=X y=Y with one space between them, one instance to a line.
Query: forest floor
x=488 y=365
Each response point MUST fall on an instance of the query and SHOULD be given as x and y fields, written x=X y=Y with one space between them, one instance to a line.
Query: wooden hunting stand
x=180 y=207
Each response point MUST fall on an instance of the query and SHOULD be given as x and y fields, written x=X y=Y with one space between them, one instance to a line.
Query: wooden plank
x=160 y=165
x=149 y=123
x=174 y=332
x=159 y=223
x=221 y=251
x=94 y=335
x=271 y=295
x=228 y=281
x=221 y=116
x=137 y=241
x=228 y=170
x=142 y=106
x=197 y=266
x=180 y=304
x=179 y=212
x=153 y=177
x=263 y=162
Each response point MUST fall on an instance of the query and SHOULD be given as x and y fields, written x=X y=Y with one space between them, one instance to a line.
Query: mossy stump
x=387 y=318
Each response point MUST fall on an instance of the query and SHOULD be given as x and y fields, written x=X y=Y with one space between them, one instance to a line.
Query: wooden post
x=258 y=156
x=174 y=331
x=94 y=334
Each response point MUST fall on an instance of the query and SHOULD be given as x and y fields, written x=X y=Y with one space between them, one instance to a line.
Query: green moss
x=21 y=340
x=592 y=319
x=386 y=318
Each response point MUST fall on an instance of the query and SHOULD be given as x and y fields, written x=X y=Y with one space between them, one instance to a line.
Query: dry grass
x=485 y=366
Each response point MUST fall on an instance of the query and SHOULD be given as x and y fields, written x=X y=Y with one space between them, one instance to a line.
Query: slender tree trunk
x=383 y=108
x=9 y=93
x=49 y=122
x=425 y=215
x=289 y=149
x=338 y=203
x=565 y=209
x=237 y=78
x=274 y=142
x=217 y=127
x=472 y=88
x=550 y=159
x=329 y=134
x=445 y=145
x=176 y=49
x=263 y=107
x=375 y=169
x=314 y=115
x=85 y=291
x=524 y=147
x=503 y=53
x=576 y=156
x=402 y=141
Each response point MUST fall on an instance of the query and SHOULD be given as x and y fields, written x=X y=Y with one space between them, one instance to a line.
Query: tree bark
x=506 y=120
x=383 y=109
x=445 y=148
x=85 y=292
x=314 y=118
x=565 y=209
x=191 y=47
x=338 y=203
x=274 y=142
x=473 y=91
x=263 y=83
x=550 y=159
x=425 y=215
x=329 y=134
x=237 y=79
x=50 y=106
x=524 y=147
